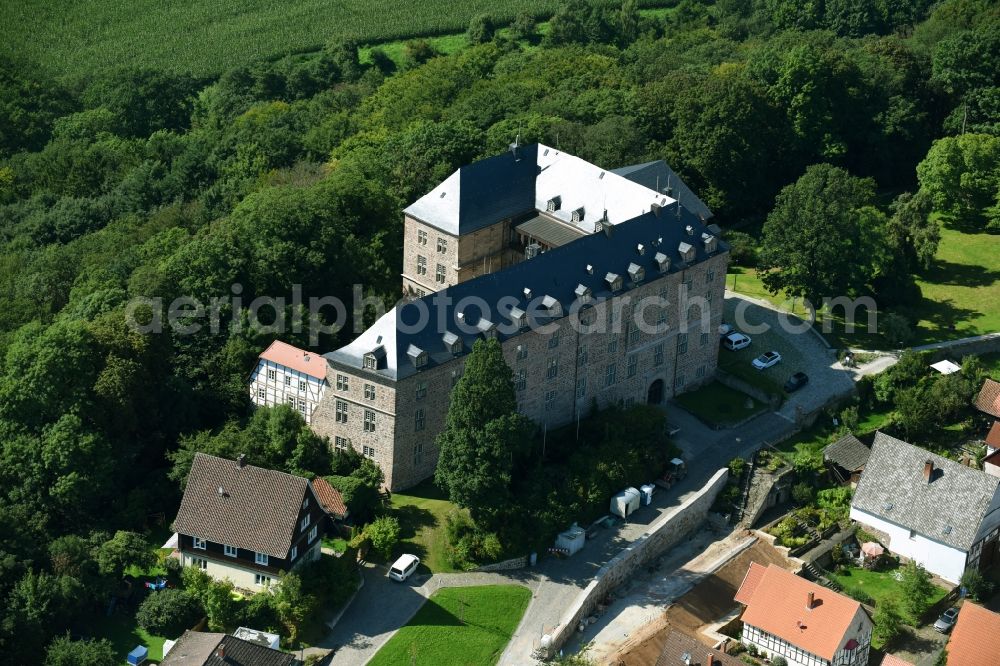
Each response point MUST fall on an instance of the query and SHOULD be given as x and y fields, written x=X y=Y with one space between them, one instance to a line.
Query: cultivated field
x=205 y=38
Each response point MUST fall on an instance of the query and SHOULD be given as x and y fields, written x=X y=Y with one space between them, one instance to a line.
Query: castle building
x=600 y=289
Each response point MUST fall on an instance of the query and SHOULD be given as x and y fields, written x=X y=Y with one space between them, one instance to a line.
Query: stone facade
x=559 y=374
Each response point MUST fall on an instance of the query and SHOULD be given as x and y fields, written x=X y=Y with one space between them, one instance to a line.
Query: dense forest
x=792 y=120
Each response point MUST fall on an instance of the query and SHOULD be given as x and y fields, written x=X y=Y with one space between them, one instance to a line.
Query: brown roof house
x=988 y=400
x=848 y=457
x=682 y=650
x=198 y=648
x=975 y=640
x=246 y=523
x=807 y=624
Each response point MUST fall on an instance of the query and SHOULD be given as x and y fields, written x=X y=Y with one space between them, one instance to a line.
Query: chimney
x=221 y=652
x=242 y=460
x=710 y=660
x=810 y=600
x=928 y=470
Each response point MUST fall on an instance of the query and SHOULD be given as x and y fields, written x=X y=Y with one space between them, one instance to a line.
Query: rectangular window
x=550 y=400
x=290 y=399
x=418 y=453
x=703 y=339
x=302 y=385
x=455 y=376
x=421 y=265
x=199 y=543
x=581 y=356
x=304 y=523
x=421 y=293
x=288 y=380
x=369 y=391
x=633 y=365
x=272 y=374
x=522 y=352
x=340 y=443
x=553 y=370
x=581 y=387
x=421 y=237
x=302 y=405
x=369 y=421
x=633 y=333
x=554 y=340
x=421 y=390
x=200 y=562
x=629 y=402
x=260 y=558
x=442 y=245
x=700 y=372
x=231 y=551
x=679 y=381
x=313 y=532
x=610 y=374
x=368 y=452
x=613 y=346
x=261 y=393
x=439 y=274
x=341 y=382
x=658 y=354
x=262 y=580
x=710 y=277
x=661 y=322
x=341 y=416
x=682 y=343
x=520 y=379
x=295 y=553
x=418 y=420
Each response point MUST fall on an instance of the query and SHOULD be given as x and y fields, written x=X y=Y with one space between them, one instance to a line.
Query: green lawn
x=878 y=585
x=421 y=512
x=337 y=545
x=125 y=634
x=458 y=625
x=716 y=404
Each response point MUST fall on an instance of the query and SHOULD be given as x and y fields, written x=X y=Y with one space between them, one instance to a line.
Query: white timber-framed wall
x=273 y=384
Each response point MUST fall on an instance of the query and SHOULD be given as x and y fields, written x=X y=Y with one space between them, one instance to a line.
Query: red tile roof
x=993 y=437
x=750 y=582
x=778 y=605
x=988 y=399
x=329 y=497
x=976 y=636
x=993 y=458
x=284 y=354
x=893 y=660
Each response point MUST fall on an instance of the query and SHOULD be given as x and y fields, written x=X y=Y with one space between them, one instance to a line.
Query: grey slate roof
x=554 y=275
x=257 y=510
x=197 y=648
x=659 y=173
x=951 y=509
x=482 y=193
x=848 y=452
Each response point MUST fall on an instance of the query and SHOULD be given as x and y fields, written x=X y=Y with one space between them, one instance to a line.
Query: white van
x=736 y=341
x=404 y=567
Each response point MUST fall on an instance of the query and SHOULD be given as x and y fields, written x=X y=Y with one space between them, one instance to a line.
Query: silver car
x=947 y=620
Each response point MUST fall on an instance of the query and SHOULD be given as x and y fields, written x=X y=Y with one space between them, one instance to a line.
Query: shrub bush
x=169 y=612
x=384 y=534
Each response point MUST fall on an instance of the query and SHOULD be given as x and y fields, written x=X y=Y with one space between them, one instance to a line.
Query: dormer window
x=452 y=342
x=689 y=229
x=373 y=359
x=551 y=304
x=553 y=204
x=614 y=281
x=686 y=251
x=636 y=273
x=640 y=248
x=582 y=293
x=590 y=269
x=518 y=317
x=662 y=262
x=710 y=242
x=577 y=215
x=527 y=293
x=417 y=356
x=487 y=328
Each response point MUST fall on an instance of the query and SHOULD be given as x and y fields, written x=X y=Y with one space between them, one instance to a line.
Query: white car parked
x=404 y=567
x=736 y=341
x=766 y=360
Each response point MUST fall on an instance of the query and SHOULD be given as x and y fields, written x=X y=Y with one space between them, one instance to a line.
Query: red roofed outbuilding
x=975 y=640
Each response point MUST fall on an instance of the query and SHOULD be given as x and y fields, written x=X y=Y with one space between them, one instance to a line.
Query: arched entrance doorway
x=655 y=394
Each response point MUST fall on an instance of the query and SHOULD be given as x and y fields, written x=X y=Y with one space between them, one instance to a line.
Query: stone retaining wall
x=506 y=565
x=956 y=349
x=662 y=535
x=758 y=394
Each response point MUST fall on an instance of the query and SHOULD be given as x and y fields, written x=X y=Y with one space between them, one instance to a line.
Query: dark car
x=796 y=381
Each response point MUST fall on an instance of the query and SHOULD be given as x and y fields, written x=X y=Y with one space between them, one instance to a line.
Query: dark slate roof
x=482 y=193
x=952 y=509
x=257 y=510
x=659 y=173
x=679 y=645
x=848 y=452
x=555 y=274
x=196 y=648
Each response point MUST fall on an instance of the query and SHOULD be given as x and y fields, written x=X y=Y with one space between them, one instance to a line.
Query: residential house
x=806 y=623
x=975 y=639
x=992 y=440
x=564 y=256
x=246 y=523
x=287 y=375
x=199 y=648
x=988 y=399
x=683 y=650
x=847 y=458
x=991 y=463
x=926 y=508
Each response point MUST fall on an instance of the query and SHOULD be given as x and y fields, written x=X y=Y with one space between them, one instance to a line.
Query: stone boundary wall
x=981 y=344
x=506 y=565
x=662 y=535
